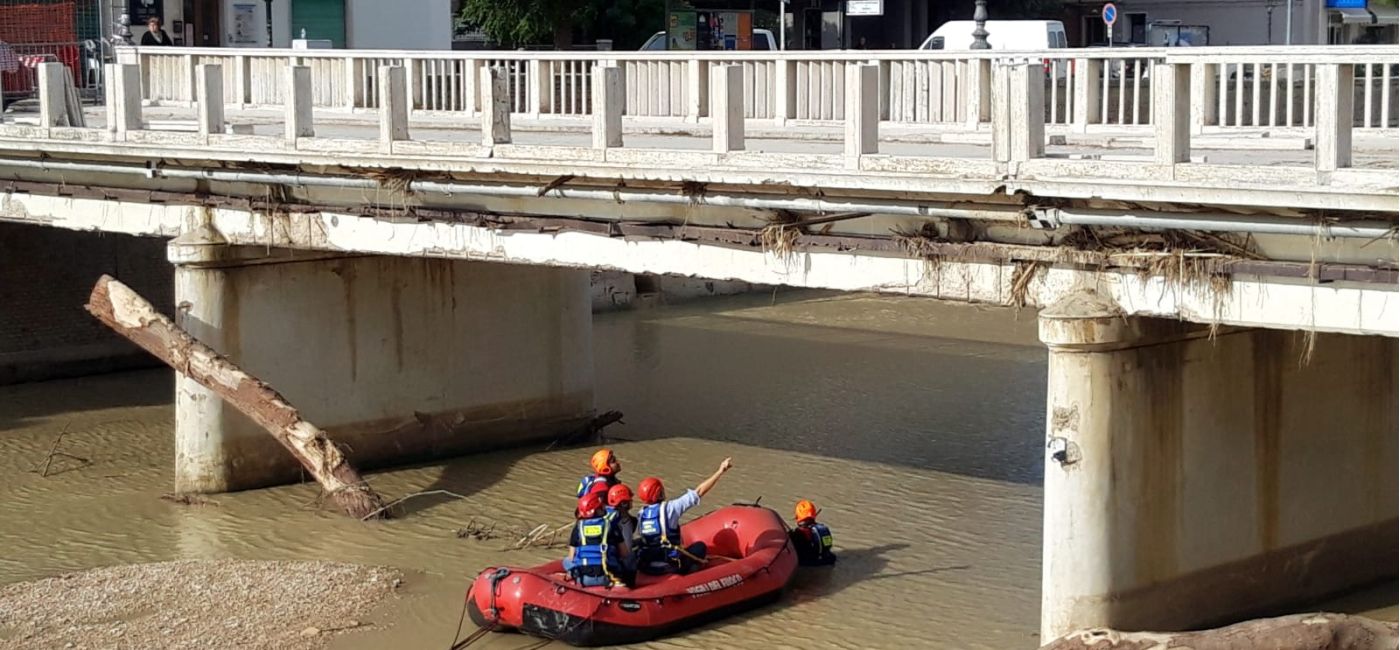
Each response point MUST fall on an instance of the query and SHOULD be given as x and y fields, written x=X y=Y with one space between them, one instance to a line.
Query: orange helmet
x=619 y=494
x=650 y=489
x=806 y=510
x=589 y=504
x=601 y=462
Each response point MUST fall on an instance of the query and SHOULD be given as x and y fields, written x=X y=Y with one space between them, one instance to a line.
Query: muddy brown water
x=914 y=425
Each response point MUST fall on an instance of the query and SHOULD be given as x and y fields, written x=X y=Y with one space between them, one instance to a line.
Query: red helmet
x=619 y=494
x=589 y=504
x=651 y=490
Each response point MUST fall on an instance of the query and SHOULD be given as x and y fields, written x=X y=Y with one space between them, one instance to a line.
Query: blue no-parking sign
x=1110 y=14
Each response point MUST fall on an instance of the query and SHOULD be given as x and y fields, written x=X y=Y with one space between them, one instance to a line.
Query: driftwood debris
x=1296 y=632
x=55 y=453
x=126 y=312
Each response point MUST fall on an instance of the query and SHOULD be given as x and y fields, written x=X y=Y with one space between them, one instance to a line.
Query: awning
x=1352 y=16
x=1386 y=15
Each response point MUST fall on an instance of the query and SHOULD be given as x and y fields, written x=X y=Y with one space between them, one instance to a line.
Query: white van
x=1001 y=34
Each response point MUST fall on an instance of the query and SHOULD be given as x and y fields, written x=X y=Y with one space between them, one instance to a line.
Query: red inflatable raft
x=750 y=564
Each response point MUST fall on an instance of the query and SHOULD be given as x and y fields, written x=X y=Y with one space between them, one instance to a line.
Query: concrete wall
x=398 y=358
x=370 y=24
x=45 y=277
x=417 y=25
x=1211 y=479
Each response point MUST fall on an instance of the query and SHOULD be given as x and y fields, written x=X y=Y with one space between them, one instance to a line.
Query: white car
x=762 y=40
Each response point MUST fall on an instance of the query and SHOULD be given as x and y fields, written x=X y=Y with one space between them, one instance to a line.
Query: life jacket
x=819 y=535
x=593 y=548
x=594 y=482
x=627 y=525
x=656 y=532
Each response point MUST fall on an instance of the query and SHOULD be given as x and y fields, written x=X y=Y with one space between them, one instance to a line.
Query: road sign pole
x=1110 y=16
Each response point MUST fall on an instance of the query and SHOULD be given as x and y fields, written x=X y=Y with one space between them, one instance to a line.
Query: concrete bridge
x=400 y=242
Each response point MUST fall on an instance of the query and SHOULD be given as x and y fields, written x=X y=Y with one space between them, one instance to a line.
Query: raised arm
x=709 y=483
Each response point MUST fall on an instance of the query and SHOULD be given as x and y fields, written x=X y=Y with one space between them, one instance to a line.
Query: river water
x=914 y=425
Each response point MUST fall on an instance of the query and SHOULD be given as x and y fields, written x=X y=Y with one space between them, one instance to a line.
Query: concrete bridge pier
x=400 y=359
x=1192 y=480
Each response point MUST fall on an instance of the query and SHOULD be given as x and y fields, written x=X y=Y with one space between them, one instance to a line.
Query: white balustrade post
x=296 y=102
x=243 y=80
x=353 y=84
x=697 y=80
x=411 y=89
x=495 y=107
x=1088 y=93
x=540 y=91
x=209 y=98
x=785 y=91
x=473 y=83
x=1171 y=112
x=979 y=92
x=53 y=95
x=1205 y=97
x=393 y=106
x=884 y=90
x=1334 y=114
x=1018 y=111
x=727 y=107
x=607 y=107
x=189 y=69
x=862 y=112
x=126 y=93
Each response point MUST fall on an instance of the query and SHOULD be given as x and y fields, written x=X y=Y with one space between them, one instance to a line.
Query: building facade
x=358 y=24
x=1235 y=22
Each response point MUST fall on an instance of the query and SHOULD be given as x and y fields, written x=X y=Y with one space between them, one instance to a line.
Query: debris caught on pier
x=589 y=432
x=779 y=237
x=127 y=313
x=188 y=499
x=1298 y=632
x=1021 y=277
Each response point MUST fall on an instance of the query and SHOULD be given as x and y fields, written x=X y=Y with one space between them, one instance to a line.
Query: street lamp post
x=979 y=35
x=269 y=23
x=1288 y=26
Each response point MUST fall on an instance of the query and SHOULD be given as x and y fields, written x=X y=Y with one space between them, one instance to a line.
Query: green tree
x=517 y=23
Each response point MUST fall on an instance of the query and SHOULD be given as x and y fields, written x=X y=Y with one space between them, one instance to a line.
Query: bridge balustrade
x=1247 y=87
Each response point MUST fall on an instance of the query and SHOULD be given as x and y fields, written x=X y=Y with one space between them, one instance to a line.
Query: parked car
x=762 y=40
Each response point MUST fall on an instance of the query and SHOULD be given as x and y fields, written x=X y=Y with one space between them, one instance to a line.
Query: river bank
x=195 y=604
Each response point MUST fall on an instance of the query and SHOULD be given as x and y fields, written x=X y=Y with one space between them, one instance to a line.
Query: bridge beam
x=400 y=359
x=1192 y=480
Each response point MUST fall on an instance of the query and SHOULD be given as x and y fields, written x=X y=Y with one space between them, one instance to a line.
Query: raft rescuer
x=597 y=548
x=605 y=468
x=659 y=525
x=811 y=538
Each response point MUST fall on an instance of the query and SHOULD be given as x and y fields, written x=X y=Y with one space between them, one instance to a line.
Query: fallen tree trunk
x=1297 y=632
x=126 y=312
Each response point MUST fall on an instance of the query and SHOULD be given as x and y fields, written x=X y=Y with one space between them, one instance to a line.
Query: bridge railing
x=1238 y=87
